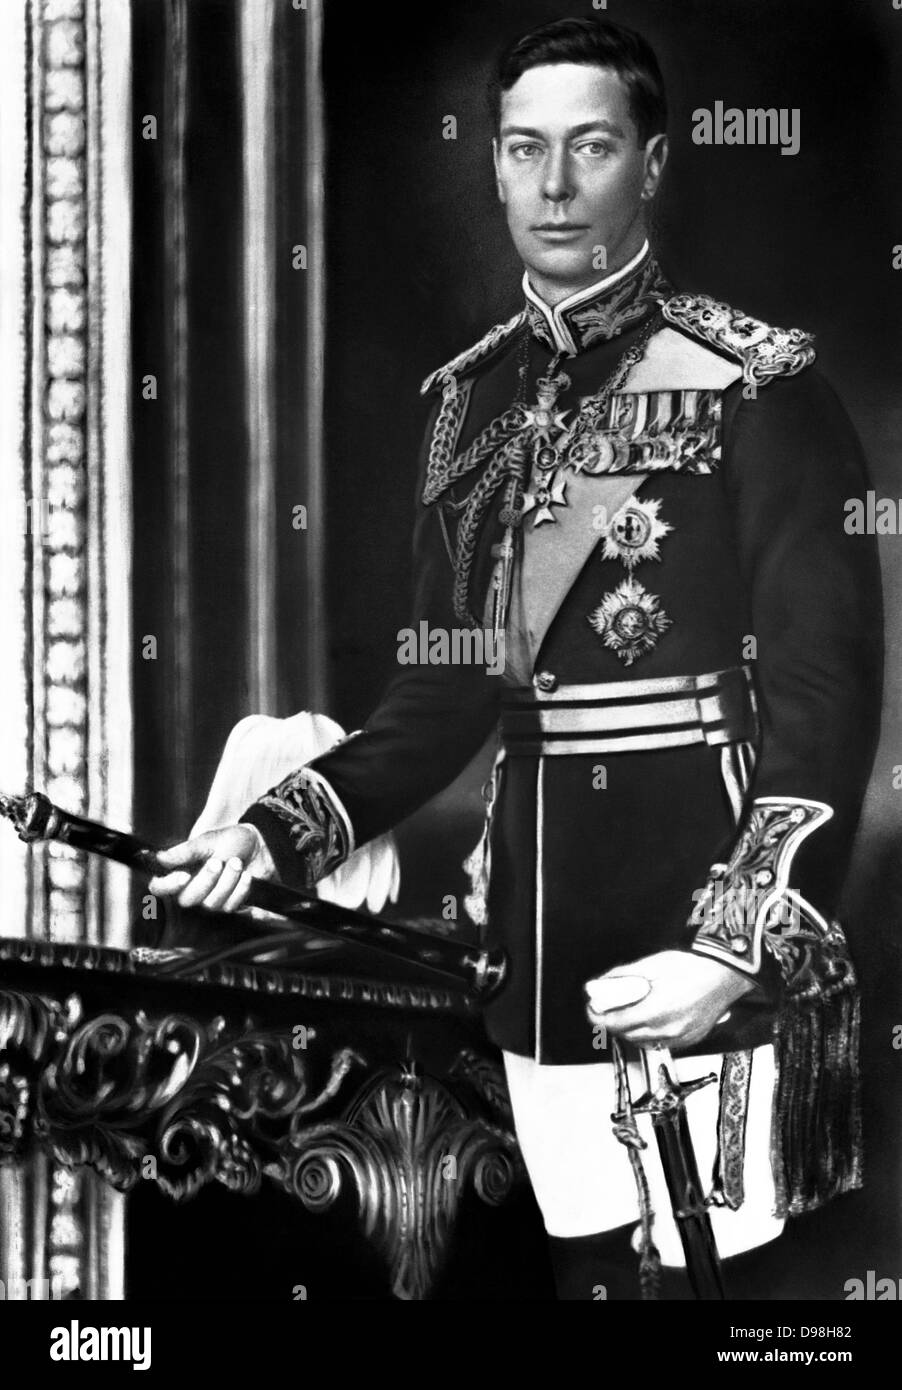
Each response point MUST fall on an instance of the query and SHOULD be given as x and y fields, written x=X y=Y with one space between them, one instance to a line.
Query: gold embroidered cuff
x=748 y=900
x=316 y=821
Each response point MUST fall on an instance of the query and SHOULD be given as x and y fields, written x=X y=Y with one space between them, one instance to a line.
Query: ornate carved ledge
x=322 y=1084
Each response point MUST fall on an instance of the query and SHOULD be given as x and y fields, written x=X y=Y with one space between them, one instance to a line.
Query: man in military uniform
x=643 y=493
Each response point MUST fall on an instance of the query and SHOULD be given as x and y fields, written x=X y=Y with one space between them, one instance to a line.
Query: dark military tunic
x=731 y=463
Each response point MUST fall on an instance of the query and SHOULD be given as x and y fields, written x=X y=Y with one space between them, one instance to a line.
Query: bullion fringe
x=816 y=1138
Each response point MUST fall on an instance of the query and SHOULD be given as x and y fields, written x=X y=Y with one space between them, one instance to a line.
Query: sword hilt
x=665 y=1102
x=664 y=1092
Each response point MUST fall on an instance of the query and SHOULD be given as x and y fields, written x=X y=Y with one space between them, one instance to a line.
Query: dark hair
x=593 y=43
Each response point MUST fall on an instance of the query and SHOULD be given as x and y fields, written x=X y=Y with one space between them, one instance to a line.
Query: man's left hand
x=688 y=995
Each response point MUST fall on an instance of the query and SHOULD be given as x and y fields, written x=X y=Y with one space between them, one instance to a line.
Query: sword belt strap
x=629 y=716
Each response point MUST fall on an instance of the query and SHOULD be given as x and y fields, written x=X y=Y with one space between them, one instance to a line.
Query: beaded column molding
x=65 y=702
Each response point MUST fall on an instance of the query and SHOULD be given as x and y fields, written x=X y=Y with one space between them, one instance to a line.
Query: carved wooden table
x=325 y=1080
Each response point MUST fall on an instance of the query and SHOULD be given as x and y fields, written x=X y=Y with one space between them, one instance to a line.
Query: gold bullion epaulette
x=464 y=361
x=764 y=352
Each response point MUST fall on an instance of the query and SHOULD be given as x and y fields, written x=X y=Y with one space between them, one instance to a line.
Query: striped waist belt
x=629 y=716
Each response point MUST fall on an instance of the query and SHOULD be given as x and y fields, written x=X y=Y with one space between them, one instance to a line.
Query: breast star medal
x=633 y=533
x=629 y=621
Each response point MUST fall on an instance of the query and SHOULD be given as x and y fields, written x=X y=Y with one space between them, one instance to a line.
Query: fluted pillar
x=65 y=533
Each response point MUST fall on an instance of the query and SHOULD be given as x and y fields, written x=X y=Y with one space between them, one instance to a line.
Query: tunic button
x=545 y=681
x=739 y=946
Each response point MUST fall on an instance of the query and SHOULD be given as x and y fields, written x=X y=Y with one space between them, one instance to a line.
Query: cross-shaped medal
x=548 y=488
x=548 y=492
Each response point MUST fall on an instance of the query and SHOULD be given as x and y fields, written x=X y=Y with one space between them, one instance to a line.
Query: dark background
x=189 y=698
x=418 y=267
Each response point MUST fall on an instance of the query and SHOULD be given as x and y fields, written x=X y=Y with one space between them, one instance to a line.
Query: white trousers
x=581 y=1173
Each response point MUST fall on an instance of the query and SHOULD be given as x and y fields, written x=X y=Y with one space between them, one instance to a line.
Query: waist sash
x=629 y=716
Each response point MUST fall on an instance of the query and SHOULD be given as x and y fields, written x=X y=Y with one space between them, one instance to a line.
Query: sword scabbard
x=665 y=1102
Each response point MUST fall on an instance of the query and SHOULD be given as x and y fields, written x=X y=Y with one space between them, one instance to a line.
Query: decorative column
x=283 y=311
x=65 y=536
x=315 y=347
x=255 y=46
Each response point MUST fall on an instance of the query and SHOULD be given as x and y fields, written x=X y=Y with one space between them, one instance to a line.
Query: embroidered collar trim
x=600 y=311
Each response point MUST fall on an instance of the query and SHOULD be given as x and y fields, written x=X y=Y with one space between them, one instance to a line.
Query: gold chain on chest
x=513 y=435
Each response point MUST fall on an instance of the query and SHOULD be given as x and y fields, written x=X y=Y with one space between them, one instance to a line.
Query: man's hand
x=214 y=870
x=688 y=994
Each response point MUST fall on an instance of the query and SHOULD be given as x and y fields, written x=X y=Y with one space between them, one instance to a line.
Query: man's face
x=572 y=176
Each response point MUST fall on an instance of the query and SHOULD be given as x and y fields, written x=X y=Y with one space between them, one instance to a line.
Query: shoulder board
x=764 y=352
x=463 y=362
